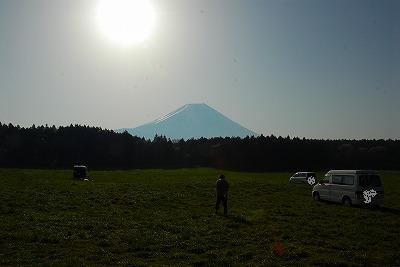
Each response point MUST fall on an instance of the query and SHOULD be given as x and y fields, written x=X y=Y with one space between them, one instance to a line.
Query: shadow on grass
x=235 y=221
x=386 y=210
x=365 y=207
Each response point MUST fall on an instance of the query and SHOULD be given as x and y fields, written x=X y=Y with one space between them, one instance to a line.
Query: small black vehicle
x=80 y=172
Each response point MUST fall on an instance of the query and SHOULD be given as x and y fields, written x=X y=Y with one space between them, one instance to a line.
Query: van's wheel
x=316 y=196
x=347 y=202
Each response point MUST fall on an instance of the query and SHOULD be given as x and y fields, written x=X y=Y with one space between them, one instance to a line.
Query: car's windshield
x=369 y=180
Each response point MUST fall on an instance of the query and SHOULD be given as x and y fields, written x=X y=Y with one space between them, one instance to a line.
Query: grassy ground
x=158 y=217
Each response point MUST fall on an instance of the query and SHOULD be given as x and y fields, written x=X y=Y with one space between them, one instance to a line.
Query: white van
x=350 y=187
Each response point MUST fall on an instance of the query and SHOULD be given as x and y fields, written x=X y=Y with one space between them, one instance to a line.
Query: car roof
x=305 y=172
x=352 y=172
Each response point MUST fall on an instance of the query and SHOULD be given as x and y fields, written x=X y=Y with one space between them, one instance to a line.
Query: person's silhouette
x=222 y=194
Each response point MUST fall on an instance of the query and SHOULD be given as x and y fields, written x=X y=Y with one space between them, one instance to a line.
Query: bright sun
x=126 y=22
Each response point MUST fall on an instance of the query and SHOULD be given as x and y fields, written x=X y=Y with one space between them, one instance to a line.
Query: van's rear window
x=369 y=180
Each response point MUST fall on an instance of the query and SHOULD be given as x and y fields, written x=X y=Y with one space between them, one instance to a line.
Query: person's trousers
x=224 y=200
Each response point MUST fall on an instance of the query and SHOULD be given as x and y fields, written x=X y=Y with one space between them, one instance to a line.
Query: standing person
x=222 y=194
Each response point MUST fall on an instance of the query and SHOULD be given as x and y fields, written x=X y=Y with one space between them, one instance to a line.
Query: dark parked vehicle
x=80 y=172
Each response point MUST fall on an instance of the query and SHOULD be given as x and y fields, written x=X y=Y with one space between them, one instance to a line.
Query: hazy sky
x=327 y=69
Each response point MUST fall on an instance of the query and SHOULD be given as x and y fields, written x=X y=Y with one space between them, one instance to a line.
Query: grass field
x=166 y=217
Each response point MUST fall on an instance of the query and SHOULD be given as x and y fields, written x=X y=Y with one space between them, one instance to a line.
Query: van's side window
x=348 y=179
x=343 y=179
x=336 y=179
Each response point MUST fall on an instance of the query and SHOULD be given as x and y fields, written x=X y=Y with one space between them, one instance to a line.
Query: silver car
x=350 y=187
x=301 y=177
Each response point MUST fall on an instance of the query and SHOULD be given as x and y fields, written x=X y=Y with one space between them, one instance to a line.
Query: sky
x=309 y=68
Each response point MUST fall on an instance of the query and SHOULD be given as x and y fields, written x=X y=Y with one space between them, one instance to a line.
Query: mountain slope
x=191 y=121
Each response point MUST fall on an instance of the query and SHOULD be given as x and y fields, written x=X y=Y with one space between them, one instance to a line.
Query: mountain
x=191 y=121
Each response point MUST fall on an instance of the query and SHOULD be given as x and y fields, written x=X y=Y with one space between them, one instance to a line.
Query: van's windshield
x=369 y=180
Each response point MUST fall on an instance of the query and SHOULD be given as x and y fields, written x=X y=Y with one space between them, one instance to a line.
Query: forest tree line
x=102 y=149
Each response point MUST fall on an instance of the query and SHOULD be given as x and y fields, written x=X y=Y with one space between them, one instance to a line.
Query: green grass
x=166 y=217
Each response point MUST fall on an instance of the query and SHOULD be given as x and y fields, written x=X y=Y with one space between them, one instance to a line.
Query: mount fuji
x=191 y=121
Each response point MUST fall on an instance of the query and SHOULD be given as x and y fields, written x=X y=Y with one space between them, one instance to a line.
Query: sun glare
x=126 y=22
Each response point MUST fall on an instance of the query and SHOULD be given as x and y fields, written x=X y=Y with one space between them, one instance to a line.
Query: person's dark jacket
x=222 y=188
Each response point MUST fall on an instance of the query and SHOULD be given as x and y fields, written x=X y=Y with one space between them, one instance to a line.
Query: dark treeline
x=63 y=147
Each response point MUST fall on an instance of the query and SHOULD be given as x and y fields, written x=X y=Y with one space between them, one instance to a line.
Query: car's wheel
x=316 y=196
x=347 y=202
